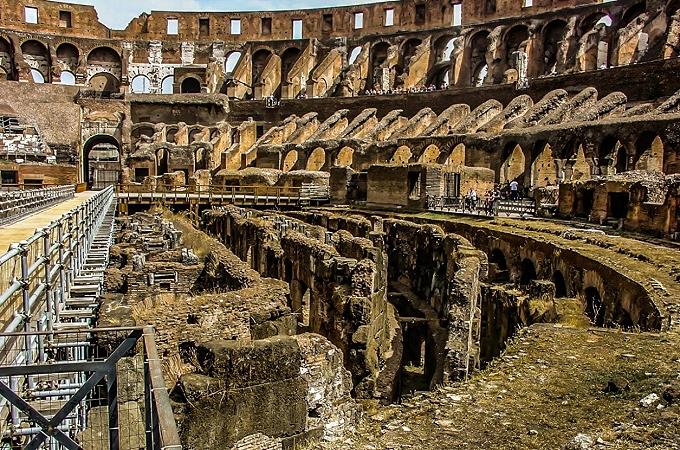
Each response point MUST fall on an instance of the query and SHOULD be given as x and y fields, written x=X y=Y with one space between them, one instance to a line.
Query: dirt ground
x=555 y=387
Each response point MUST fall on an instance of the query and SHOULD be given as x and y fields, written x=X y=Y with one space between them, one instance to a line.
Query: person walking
x=514 y=190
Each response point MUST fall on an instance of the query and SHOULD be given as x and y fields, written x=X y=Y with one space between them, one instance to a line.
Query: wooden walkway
x=25 y=228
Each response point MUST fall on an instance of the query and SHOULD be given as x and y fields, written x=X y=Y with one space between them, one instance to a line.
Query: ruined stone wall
x=337 y=286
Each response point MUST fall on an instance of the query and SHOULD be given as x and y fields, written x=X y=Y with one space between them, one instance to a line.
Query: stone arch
x=594 y=306
x=607 y=153
x=316 y=160
x=37 y=57
x=430 y=155
x=37 y=76
x=190 y=85
x=288 y=59
x=475 y=57
x=67 y=77
x=513 y=164
x=588 y=23
x=344 y=158
x=201 y=159
x=498 y=266
x=7 y=70
x=514 y=40
x=68 y=57
x=140 y=85
x=553 y=34
x=104 y=82
x=90 y=157
x=290 y=161
x=105 y=59
x=443 y=48
x=543 y=168
x=527 y=272
x=259 y=62
x=162 y=161
x=167 y=85
x=649 y=152
x=455 y=158
x=354 y=54
x=379 y=55
x=231 y=61
x=561 y=289
x=401 y=155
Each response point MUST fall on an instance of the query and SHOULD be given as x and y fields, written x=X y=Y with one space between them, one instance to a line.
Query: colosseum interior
x=446 y=224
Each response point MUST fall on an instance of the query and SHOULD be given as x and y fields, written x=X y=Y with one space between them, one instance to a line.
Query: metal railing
x=217 y=194
x=67 y=395
x=482 y=207
x=19 y=203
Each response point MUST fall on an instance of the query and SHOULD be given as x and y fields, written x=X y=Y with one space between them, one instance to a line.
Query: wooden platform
x=25 y=228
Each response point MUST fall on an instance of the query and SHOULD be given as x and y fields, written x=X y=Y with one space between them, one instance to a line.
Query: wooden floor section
x=25 y=228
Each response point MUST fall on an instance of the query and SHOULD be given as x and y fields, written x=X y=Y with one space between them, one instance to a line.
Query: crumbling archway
x=344 y=158
x=558 y=280
x=527 y=272
x=190 y=85
x=7 y=69
x=499 y=272
x=289 y=161
x=430 y=155
x=101 y=161
x=37 y=57
x=401 y=155
x=316 y=160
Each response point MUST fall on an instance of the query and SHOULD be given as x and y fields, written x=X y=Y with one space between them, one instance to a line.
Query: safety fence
x=16 y=204
x=482 y=206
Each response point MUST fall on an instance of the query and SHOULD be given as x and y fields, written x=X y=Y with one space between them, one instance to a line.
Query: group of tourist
x=411 y=90
x=472 y=201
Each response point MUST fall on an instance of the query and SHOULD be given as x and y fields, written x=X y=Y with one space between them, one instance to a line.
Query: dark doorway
x=191 y=86
x=618 y=205
x=498 y=267
x=527 y=272
x=560 y=285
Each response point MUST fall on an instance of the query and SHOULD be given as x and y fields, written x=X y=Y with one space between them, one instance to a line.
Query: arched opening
x=201 y=159
x=430 y=155
x=443 y=48
x=515 y=40
x=288 y=60
x=162 y=161
x=345 y=157
x=607 y=152
x=290 y=161
x=354 y=54
x=260 y=60
x=594 y=21
x=316 y=160
x=408 y=51
x=6 y=60
x=456 y=158
x=37 y=76
x=498 y=267
x=37 y=58
x=621 y=160
x=543 y=168
x=527 y=272
x=632 y=13
x=402 y=155
x=104 y=82
x=105 y=60
x=190 y=85
x=643 y=145
x=560 y=285
x=67 y=78
x=67 y=57
x=167 y=86
x=553 y=35
x=595 y=308
x=232 y=61
x=101 y=161
x=140 y=85
x=300 y=303
x=379 y=55
x=477 y=58
x=513 y=164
